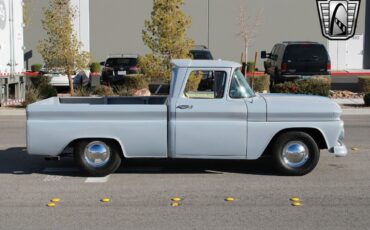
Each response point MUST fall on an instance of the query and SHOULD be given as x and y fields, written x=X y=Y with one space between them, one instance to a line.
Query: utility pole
x=208 y=23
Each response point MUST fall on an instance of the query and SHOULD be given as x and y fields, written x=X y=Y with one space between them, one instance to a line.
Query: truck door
x=208 y=123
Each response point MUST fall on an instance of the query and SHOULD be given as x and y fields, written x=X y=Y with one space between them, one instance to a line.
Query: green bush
x=251 y=66
x=39 y=81
x=36 y=67
x=286 y=87
x=103 y=90
x=364 y=84
x=314 y=86
x=367 y=99
x=32 y=95
x=261 y=83
x=95 y=67
x=155 y=69
x=83 y=92
x=135 y=81
x=47 y=91
x=121 y=90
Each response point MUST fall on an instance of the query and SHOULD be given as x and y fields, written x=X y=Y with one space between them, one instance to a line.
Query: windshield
x=239 y=86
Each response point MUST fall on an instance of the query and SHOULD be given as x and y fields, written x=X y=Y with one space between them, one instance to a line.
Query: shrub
x=32 y=95
x=47 y=91
x=83 y=92
x=121 y=90
x=364 y=84
x=135 y=81
x=367 y=99
x=36 y=67
x=261 y=83
x=39 y=81
x=155 y=69
x=103 y=90
x=95 y=67
x=251 y=66
x=313 y=86
x=286 y=87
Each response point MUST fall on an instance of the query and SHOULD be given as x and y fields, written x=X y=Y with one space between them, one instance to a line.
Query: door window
x=205 y=84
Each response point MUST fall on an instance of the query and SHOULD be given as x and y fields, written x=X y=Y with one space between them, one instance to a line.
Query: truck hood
x=287 y=107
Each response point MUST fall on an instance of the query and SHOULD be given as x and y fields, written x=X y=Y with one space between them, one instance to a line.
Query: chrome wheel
x=97 y=154
x=295 y=154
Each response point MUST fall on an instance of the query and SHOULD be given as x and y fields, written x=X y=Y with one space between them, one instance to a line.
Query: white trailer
x=12 y=82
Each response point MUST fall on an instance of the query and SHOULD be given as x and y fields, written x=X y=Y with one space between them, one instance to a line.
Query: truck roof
x=205 y=63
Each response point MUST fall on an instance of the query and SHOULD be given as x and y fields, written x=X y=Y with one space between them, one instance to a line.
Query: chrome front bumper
x=339 y=150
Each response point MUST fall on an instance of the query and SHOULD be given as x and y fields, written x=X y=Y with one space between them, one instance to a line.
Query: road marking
x=59 y=170
x=97 y=179
x=49 y=178
x=140 y=170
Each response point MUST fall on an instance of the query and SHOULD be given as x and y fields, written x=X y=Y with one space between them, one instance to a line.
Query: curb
x=12 y=112
x=356 y=111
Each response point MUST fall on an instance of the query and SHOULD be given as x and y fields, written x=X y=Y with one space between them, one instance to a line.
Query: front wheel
x=97 y=157
x=295 y=153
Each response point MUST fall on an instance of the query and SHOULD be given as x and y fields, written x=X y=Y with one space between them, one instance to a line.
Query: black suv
x=289 y=61
x=201 y=53
x=118 y=66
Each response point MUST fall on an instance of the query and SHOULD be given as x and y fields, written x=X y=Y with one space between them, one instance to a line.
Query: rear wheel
x=97 y=157
x=295 y=153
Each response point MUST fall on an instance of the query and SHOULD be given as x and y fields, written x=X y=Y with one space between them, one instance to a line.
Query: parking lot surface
x=336 y=195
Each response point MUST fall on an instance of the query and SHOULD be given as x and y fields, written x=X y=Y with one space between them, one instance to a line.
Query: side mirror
x=102 y=63
x=263 y=54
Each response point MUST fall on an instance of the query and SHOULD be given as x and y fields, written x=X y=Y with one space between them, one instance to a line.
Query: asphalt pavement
x=336 y=195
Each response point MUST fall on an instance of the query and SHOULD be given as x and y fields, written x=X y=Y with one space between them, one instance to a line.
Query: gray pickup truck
x=210 y=113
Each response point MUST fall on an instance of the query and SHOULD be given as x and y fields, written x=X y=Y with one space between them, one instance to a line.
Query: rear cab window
x=121 y=62
x=305 y=53
x=205 y=84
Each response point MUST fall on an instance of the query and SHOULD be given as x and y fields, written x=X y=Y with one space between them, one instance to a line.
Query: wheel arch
x=115 y=141
x=315 y=133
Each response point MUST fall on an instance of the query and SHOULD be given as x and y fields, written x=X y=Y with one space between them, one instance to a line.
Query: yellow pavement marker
x=295 y=199
x=175 y=204
x=55 y=200
x=296 y=204
x=176 y=199
x=105 y=200
x=230 y=199
x=51 y=204
x=355 y=149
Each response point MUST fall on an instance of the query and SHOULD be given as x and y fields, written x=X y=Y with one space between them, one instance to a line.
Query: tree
x=61 y=49
x=248 y=29
x=165 y=34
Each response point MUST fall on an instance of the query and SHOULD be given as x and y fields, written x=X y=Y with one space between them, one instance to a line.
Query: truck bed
x=153 y=100
x=54 y=123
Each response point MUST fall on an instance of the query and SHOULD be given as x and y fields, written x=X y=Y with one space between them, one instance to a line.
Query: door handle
x=184 y=107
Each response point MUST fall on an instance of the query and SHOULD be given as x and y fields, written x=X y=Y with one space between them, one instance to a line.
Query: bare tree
x=248 y=29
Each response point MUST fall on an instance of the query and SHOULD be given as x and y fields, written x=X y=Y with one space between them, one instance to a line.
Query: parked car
x=60 y=79
x=201 y=52
x=225 y=120
x=118 y=66
x=294 y=60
